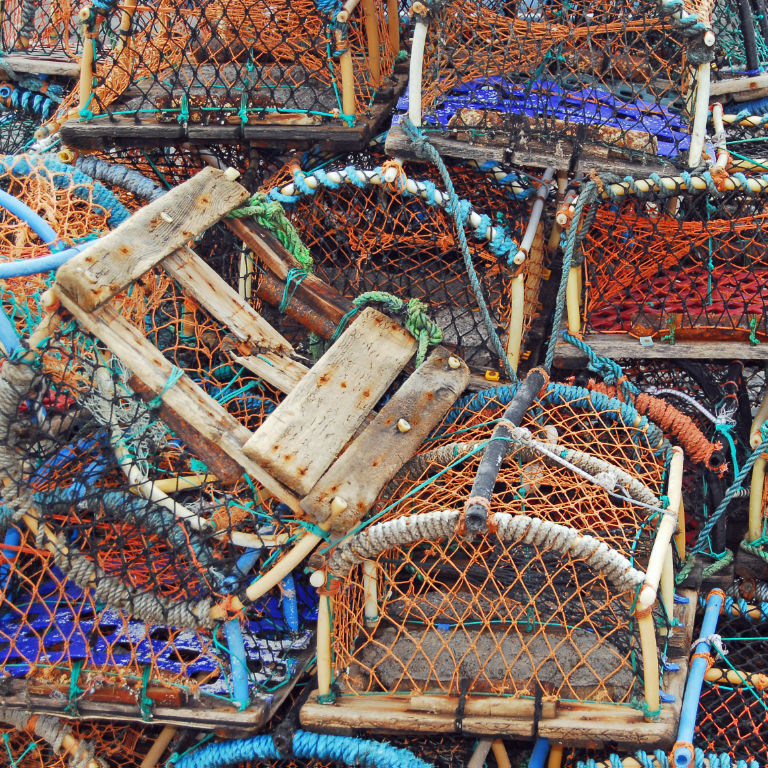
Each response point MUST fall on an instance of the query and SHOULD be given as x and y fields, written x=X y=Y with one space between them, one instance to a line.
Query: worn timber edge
x=36 y=698
x=41 y=65
x=122 y=256
x=622 y=346
x=577 y=724
x=558 y=155
x=103 y=132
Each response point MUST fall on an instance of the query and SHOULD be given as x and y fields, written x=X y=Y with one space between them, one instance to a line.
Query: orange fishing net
x=592 y=75
x=395 y=236
x=231 y=64
x=698 y=274
x=519 y=611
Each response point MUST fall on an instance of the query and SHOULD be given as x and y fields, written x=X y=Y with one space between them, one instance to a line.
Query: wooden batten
x=377 y=454
x=279 y=371
x=306 y=432
x=113 y=262
x=200 y=412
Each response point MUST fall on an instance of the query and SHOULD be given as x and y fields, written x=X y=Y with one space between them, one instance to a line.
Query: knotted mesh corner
x=609 y=79
x=520 y=611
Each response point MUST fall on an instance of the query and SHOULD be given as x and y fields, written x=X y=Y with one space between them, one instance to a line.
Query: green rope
x=424 y=149
x=271 y=215
x=417 y=322
x=74 y=689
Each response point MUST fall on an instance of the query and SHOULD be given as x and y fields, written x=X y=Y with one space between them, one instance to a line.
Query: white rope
x=724 y=417
x=438 y=525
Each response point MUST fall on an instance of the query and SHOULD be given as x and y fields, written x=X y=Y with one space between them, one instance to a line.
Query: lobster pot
x=739 y=52
x=16 y=130
x=74 y=206
x=45 y=29
x=377 y=229
x=518 y=614
x=139 y=532
x=230 y=65
x=697 y=275
x=606 y=82
x=116 y=745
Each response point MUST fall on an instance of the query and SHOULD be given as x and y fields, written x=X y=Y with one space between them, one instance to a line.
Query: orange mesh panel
x=375 y=237
x=587 y=74
x=498 y=615
x=231 y=63
x=700 y=274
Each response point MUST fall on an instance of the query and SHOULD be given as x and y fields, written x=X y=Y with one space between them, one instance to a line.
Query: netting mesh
x=368 y=233
x=127 y=515
x=46 y=28
x=733 y=55
x=236 y=63
x=699 y=274
x=75 y=206
x=603 y=75
x=510 y=612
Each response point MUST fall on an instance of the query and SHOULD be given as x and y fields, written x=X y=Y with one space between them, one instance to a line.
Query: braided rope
x=431 y=526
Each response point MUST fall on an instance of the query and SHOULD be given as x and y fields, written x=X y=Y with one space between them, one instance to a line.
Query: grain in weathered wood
x=41 y=65
x=738 y=85
x=203 y=414
x=557 y=155
x=376 y=455
x=279 y=371
x=618 y=346
x=313 y=291
x=209 y=290
x=226 y=470
x=305 y=433
x=114 y=261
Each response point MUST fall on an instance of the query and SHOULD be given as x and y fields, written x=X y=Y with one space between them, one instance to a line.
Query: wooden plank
x=313 y=291
x=738 y=84
x=540 y=155
x=39 y=65
x=621 y=346
x=280 y=372
x=574 y=723
x=377 y=454
x=203 y=414
x=306 y=432
x=22 y=695
x=210 y=291
x=114 y=261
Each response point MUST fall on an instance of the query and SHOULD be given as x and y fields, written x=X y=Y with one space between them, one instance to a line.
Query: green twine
x=74 y=689
x=15 y=763
x=145 y=703
x=752 y=331
x=176 y=374
x=292 y=282
x=270 y=214
x=651 y=714
x=427 y=332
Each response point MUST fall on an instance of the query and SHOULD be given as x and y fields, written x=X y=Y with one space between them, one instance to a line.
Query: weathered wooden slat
x=41 y=65
x=377 y=454
x=113 y=262
x=313 y=291
x=210 y=291
x=203 y=414
x=307 y=431
x=279 y=371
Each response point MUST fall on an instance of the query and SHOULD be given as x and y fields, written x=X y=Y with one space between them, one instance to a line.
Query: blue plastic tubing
x=235 y=643
x=539 y=754
x=9 y=338
x=38 y=225
x=683 y=754
x=41 y=264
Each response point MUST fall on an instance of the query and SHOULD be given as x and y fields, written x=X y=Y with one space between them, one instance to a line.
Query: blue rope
x=659 y=759
x=423 y=148
x=344 y=750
